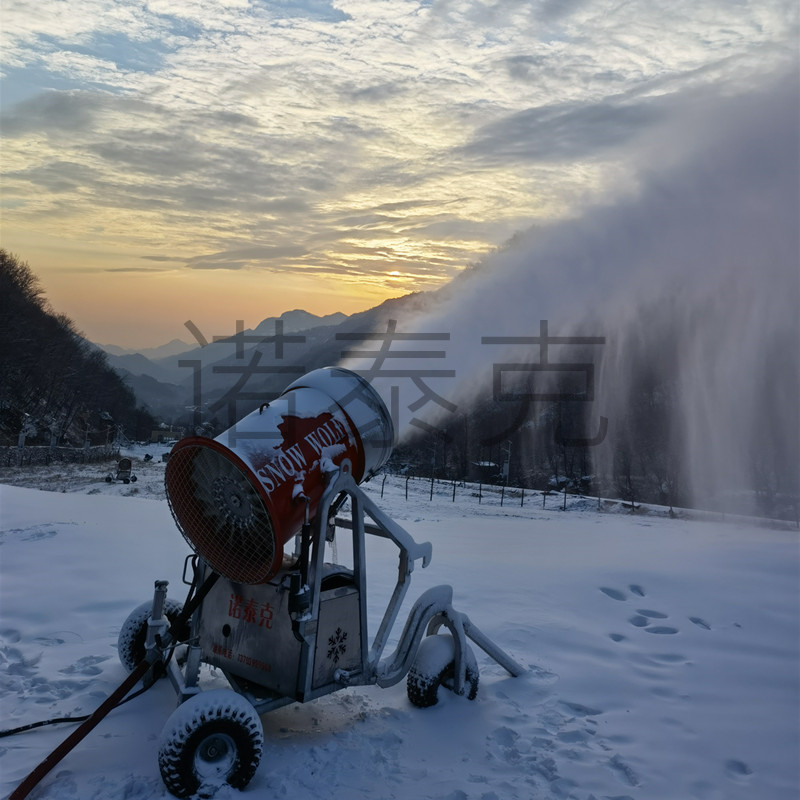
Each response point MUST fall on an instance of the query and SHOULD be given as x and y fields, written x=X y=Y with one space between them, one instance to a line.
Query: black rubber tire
x=429 y=672
x=214 y=738
x=133 y=634
x=133 y=479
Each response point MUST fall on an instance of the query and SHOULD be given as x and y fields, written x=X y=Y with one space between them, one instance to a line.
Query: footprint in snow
x=14 y=661
x=618 y=594
x=668 y=658
x=10 y=635
x=29 y=534
x=644 y=618
x=36 y=532
x=40 y=534
x=580 y=710
x=652 y=614
x=85 y=666
x=58 y=637
x=737 y=770
x=623 y=771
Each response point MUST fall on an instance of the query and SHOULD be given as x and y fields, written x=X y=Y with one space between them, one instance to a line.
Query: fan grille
x=220 y=513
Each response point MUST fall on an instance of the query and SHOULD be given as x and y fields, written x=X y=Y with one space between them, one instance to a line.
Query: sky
x=232 y=159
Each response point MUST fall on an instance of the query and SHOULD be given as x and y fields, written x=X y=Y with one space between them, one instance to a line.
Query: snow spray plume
x=691 y=277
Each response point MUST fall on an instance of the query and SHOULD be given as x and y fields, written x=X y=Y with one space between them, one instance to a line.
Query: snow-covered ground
x=663 y=654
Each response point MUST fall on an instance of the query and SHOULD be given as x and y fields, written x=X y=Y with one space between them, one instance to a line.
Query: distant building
x=487 y=471
x=160 y=436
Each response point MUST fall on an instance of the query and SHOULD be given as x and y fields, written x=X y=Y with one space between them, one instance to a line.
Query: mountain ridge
x=172 y=386
x=294 y=321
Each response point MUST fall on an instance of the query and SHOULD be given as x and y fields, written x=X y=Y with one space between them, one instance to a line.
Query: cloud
x=377 y=93
x=428 y=132
x=53 y=113
x=147 y=270
x=240 y=257
x=322 y=10
x=175 y=259
x=562 y=132
x=58 y=177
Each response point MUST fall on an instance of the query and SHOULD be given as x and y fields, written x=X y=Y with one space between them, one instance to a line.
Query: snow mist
x=691 y=276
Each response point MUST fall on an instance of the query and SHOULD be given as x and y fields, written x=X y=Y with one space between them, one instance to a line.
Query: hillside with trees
x=55 y=387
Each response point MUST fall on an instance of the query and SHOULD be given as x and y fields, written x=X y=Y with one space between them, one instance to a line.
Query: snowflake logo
x=337 y=645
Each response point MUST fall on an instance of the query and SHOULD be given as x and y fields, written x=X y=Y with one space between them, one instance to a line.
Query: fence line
x=483 y=492
x=39 y=455
x=497 y=494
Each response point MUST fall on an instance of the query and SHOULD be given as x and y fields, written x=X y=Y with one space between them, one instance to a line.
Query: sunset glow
x=233 y=159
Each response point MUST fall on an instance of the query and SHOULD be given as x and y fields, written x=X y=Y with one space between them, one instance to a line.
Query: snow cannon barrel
x=239 y=498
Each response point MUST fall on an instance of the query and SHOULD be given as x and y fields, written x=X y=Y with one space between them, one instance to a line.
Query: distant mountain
x=207 y=384
x=298 y=320
x=323 y=345
x=163 y=399
x=138 y=364
x=173 y=348
x=167 y=385
x=293 y=322
x=161 y=364
x=111 y=349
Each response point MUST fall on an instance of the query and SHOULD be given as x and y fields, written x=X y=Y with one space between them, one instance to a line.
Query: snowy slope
x=662 y=656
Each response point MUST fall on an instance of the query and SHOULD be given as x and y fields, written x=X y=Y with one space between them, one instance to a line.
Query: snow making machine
x=259 y=506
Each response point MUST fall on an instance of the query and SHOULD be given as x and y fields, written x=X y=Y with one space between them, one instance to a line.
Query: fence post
x=522 y=497
x=383 y=483
x=502 y=494
x=408 y=478
x=480 y=493
x=454 y=491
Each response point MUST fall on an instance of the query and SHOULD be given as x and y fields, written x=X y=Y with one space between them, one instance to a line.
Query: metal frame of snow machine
x=300 y=636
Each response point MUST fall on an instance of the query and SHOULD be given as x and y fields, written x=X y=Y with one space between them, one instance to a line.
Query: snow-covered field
x=663 y=654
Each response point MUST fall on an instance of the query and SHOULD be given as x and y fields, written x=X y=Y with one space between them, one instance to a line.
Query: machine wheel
x=434 y=666
x=133 y=479
x=133 y=634
x=109 y=479
x=214 y=738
